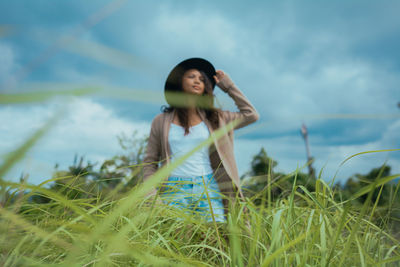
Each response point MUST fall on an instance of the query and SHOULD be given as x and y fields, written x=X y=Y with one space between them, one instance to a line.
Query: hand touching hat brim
x=223 y=80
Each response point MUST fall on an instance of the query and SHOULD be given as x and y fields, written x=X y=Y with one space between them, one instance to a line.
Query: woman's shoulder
x=159 y=118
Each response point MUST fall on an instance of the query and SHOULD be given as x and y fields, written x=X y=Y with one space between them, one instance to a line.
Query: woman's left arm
x=247 y=113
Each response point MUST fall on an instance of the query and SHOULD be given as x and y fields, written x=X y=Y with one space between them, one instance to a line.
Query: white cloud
x=95 y=126
x=89 y=129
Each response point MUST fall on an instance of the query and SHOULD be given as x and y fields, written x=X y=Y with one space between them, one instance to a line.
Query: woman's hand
x=223 y=80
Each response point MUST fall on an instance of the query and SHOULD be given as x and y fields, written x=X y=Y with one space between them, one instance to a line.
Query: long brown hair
x=212 y=112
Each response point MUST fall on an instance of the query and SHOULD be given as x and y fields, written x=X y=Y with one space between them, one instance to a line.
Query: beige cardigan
x=225 y=172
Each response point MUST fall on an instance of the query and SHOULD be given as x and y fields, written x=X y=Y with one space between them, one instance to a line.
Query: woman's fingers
x=216 y=79
x=219 y=75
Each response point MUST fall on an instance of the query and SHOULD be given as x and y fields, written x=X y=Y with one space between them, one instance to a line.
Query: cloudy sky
x=332 y=65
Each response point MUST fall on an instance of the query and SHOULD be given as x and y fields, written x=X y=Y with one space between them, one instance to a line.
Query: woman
x=207 y=181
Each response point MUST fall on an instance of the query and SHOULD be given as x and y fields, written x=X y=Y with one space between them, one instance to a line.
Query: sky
x=332 y=65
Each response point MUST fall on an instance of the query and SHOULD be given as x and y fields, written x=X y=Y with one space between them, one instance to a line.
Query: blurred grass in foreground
x=303 y=229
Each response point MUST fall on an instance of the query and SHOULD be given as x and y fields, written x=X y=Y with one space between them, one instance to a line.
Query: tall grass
x=304 y=229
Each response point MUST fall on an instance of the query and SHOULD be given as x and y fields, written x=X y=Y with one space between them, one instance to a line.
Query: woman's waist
x=184 y=177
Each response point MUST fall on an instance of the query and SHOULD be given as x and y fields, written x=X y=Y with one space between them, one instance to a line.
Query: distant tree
x=126 y=168
x=262 y=174
x=76 y=182
x=358 y=181
x=82 y=180
x=386 y=196
x=262 y=164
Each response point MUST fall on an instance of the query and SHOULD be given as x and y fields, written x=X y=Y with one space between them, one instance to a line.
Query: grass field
x=303 y=229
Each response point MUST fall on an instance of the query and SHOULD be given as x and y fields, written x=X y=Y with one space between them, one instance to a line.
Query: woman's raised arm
x=247 y=113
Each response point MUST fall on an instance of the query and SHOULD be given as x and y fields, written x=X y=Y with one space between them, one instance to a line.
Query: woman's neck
x=194 y=117
x=192 y=112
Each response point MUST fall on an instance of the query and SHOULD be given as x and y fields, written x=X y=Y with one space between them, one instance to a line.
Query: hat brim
x=173 y=82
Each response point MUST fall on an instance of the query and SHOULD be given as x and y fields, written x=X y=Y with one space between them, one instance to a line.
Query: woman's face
x=193 y=82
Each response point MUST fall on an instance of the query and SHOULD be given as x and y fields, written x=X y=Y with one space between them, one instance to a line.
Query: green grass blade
x=368 y=152
x=284 y=248
x=24 y=224
x=35 y=97
x=378 y=182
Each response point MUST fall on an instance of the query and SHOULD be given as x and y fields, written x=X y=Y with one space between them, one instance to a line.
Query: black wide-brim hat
x=173 y=82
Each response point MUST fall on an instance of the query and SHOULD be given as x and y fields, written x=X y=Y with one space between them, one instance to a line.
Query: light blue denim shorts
x=197 y=195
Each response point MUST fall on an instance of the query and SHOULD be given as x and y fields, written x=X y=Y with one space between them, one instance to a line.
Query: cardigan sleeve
x=153 y=150
x=247 y=113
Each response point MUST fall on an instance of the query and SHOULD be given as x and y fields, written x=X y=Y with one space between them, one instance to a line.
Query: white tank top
x=197 y=164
